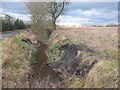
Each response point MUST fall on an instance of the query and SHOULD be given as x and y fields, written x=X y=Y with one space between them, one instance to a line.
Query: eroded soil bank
x=46 y=74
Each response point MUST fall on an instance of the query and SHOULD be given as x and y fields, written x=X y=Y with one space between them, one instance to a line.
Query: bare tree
x=55 y=10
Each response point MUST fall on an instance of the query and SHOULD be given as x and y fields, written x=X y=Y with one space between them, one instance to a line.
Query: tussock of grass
x=15 y=61
x=104 y=74
x=76 y=83
x=113 y=54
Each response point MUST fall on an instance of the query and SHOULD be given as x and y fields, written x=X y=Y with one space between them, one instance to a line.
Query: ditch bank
x=58 y=73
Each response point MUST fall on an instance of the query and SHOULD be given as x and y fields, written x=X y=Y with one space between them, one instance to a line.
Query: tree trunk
x=54 y=24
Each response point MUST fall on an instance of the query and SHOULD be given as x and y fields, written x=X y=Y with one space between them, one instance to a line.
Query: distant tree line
x=112 y=25
x=10 y=23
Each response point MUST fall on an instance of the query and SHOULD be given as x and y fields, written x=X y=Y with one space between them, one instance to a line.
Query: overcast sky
x=77 y=13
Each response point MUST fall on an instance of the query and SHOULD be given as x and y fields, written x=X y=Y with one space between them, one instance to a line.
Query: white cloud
x=25 y=17
x=68 y=23
x=102 y=13
x=92 y=16
x=72 y=20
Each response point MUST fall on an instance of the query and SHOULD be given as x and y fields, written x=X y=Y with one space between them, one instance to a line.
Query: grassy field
x=98 y=44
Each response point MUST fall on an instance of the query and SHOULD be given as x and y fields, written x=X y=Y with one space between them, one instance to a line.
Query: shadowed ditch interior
x=42 y=75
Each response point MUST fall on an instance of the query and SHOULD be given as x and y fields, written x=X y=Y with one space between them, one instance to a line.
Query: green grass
x=110 y=53
x=113 y=54
x=76 y=83
x=55 y=53
x=21 y=44
x=87 y=54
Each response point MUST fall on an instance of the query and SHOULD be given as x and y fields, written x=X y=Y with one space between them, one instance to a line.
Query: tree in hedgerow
x=7 y=23
x=19 y=24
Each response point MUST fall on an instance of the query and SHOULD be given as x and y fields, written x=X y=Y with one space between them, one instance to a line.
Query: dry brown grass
x=101 y=39
x=96 y=37
x=104 y=74
x=15 y=62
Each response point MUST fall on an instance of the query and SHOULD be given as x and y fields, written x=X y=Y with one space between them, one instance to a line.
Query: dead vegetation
x=15 y=61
